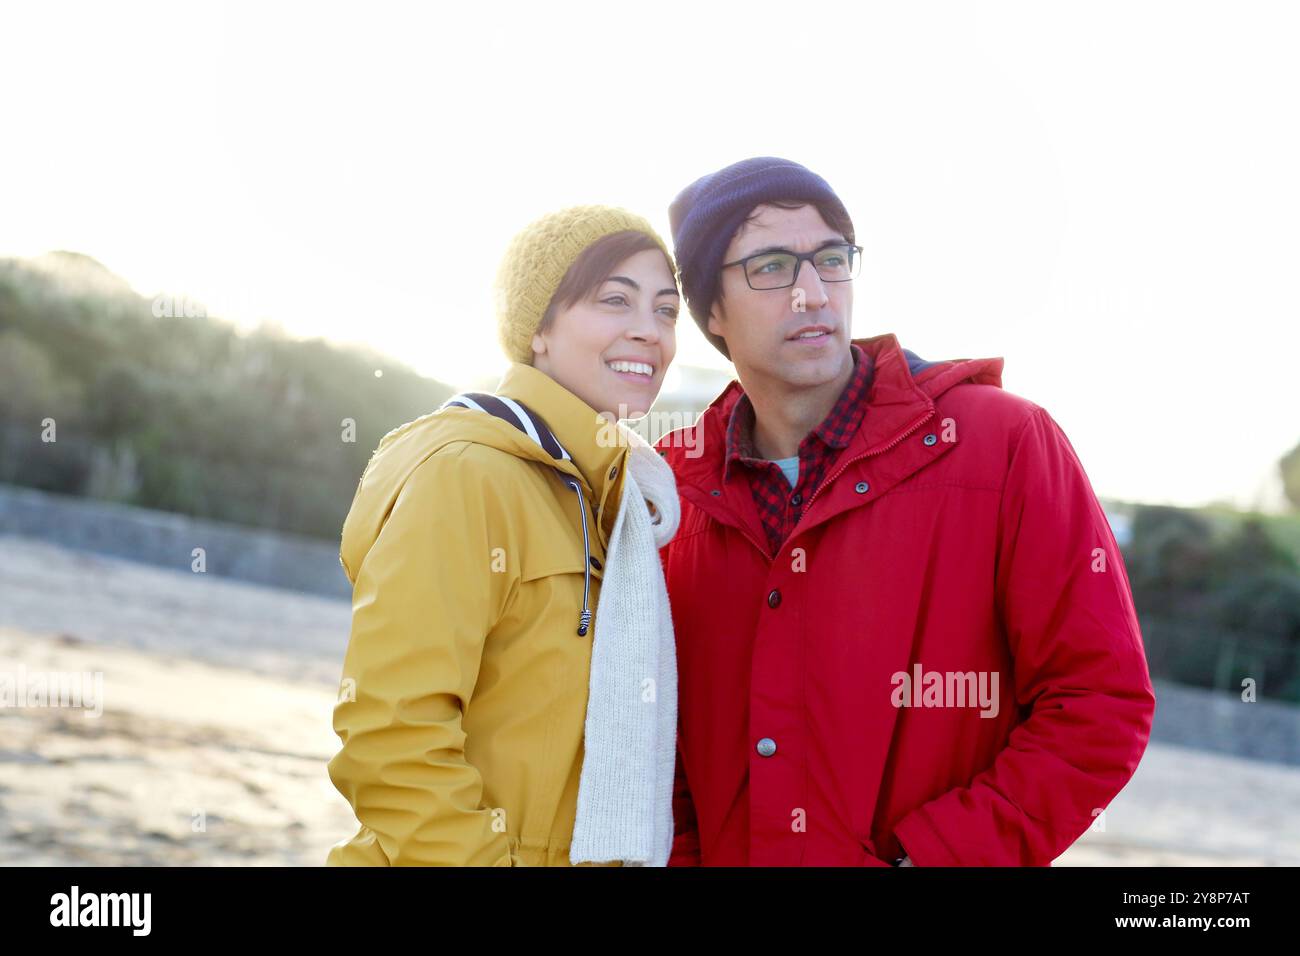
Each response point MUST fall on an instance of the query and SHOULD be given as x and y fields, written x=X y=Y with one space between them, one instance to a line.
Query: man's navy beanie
x=706 y=214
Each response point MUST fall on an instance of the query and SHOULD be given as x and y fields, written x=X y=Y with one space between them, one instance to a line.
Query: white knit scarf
x=625 y=793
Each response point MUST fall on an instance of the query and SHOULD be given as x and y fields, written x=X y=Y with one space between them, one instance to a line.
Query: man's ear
x=539 y=344
x=715 y=324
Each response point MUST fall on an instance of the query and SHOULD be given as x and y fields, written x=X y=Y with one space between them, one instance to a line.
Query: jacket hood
x=531 y=417
x=903 y=385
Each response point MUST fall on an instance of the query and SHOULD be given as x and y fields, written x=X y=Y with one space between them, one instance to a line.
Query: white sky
x=1104 y=193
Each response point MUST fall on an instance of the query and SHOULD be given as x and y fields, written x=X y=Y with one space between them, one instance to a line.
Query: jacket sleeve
x=423 y=603
x=1079 y=669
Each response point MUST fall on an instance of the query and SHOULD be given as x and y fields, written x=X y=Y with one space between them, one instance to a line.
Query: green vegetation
x=1218 y=594
x=185 y=414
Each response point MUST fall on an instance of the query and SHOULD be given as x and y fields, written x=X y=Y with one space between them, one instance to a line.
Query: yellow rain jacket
x=464 y=692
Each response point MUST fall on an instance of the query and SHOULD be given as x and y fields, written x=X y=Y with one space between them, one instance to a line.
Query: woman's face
x=611 y=349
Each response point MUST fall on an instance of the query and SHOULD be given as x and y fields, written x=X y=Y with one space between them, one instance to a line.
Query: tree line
x=185 y=414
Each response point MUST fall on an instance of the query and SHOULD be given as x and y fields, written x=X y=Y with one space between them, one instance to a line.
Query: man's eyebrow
x=766 y=249
x=629 y=282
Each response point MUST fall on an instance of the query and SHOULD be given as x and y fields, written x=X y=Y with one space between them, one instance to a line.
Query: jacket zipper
x=584 y=619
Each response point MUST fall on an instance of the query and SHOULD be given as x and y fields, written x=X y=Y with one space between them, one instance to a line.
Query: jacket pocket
x=552 y=542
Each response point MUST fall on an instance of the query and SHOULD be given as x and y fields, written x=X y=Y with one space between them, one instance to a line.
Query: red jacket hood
x=903 y=388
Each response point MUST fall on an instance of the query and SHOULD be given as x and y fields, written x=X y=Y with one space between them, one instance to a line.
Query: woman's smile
x=635 y=372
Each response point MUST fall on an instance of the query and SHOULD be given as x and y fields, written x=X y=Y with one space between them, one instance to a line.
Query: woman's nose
x=644 y=328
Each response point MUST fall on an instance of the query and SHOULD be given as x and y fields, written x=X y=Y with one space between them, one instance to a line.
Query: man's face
x=761 y=326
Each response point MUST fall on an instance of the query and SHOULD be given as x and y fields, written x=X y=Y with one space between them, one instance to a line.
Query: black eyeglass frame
x=854 y=268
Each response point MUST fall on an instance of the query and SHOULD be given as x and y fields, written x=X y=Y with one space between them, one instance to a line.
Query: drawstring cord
x=584 y=620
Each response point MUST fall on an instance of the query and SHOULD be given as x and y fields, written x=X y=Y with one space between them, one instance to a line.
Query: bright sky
x=1104 y=193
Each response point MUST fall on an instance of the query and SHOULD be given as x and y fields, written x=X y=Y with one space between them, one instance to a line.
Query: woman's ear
x=539 y=344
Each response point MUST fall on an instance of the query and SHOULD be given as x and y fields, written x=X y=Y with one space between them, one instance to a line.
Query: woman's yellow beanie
x=537 y=259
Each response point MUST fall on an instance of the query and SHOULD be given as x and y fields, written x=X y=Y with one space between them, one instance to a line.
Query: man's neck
x=784 y=414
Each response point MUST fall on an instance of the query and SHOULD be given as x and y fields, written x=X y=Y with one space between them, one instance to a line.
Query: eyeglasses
x=779 y=270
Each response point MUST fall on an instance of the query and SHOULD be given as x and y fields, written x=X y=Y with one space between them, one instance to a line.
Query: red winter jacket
x=956 y=541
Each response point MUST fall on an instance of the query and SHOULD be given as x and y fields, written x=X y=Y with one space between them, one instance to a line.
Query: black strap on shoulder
x=517 y=414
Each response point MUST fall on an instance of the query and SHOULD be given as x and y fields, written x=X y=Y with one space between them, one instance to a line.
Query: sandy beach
x=215 y=731
x=190 y=763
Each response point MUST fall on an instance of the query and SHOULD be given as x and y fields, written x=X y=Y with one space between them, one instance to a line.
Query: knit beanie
x=536 y=261
x=706 y=214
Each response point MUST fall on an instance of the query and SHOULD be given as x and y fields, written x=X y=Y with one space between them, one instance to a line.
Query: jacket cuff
x=870 y=857
x=919 y=840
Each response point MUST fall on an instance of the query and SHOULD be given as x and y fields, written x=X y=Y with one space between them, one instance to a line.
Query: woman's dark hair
x=594 y=265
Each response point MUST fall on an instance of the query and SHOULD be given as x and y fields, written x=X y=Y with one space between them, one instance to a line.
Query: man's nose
x=814 y=290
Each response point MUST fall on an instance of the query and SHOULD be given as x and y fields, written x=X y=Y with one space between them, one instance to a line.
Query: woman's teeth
x=636 y=368
x=811 y=335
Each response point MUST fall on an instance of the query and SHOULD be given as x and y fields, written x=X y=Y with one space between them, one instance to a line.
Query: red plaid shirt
x=779 y=505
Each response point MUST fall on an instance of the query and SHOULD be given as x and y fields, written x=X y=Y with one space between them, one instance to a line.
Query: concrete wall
x=275 y=559
x=1224 y=723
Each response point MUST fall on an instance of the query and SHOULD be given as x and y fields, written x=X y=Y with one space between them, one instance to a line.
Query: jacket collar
x=577 y=426
x=903 y=389
x=834 y=431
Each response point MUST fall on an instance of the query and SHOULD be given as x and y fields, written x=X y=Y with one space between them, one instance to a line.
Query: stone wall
x=271 y=558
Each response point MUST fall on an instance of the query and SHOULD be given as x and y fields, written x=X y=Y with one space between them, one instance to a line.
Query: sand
x=216 y=728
